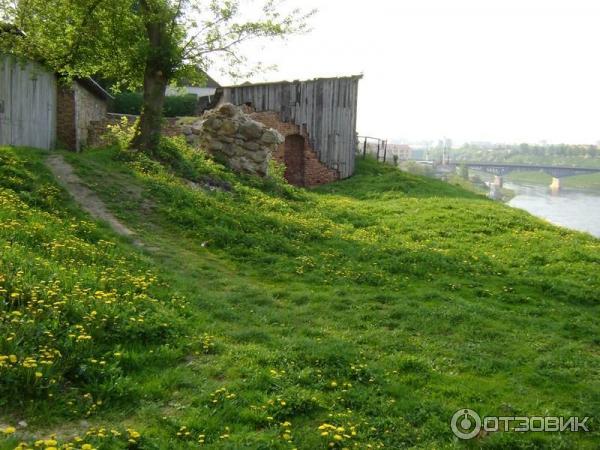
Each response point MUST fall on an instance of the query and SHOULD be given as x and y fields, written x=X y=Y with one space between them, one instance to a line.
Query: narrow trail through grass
x=85 y=197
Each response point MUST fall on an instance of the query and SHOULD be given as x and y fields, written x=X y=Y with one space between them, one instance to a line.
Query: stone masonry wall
x=88 y=108
x=236 y=140
x=315 y=172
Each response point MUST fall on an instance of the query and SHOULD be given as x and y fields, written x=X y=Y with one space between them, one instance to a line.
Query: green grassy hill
x=362 y=314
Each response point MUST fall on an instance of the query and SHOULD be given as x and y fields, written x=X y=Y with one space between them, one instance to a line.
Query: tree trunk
x=156 y=77
x=148 y=132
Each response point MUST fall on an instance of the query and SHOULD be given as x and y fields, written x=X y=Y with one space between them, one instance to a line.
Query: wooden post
x=365 y=149
x=378 y=147
x=384 y=150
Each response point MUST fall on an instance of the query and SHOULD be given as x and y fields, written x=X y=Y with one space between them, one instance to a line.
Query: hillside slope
x=364 y=313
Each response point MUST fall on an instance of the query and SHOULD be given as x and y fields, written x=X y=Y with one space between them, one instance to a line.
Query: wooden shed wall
x=28 y=104
x=325 y=107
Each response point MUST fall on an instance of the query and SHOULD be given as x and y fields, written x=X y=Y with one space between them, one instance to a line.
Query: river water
x=575 y=209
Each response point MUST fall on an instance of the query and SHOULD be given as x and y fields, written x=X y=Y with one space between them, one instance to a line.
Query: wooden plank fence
x=325 y=107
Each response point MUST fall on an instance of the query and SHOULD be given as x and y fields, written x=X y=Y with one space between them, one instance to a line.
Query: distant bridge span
x=501 y=169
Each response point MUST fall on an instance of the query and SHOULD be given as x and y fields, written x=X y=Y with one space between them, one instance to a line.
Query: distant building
x=418 y=154
x=208 y=90
x=205 y=94
x=402 y=151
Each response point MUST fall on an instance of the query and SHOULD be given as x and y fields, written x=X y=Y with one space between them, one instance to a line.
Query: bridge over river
x=501 y=169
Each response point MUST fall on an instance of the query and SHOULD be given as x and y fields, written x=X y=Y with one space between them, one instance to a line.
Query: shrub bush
x=175 y=106
x=180 y=105
x=127 y=103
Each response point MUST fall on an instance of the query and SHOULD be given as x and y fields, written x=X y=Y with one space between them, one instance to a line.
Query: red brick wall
x=315 y=172
x=66 y=131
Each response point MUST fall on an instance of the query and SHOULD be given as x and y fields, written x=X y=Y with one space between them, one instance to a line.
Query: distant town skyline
x=500 y=71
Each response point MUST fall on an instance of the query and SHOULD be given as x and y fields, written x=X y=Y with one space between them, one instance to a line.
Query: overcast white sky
x=497 y=70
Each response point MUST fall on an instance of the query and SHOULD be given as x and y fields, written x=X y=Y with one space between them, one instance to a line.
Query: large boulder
x=236 y=140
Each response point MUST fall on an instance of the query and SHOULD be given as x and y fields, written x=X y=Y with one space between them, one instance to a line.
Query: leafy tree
x=141 y=43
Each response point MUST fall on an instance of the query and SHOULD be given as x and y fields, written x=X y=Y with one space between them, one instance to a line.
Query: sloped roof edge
x=266 y=83
x=92 y=86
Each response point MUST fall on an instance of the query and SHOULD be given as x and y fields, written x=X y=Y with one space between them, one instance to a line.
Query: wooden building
x=36 y=110
x=316 y=117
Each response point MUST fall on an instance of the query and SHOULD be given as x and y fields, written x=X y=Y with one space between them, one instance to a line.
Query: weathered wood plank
x=28 y=97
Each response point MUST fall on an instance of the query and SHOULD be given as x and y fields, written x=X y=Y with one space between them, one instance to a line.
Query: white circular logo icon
x=465 y=424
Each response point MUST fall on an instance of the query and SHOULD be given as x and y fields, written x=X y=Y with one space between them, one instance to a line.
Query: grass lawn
x=362 y=314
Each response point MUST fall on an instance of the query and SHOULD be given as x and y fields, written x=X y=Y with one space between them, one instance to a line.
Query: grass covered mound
x=362 y=314
x=74 y=305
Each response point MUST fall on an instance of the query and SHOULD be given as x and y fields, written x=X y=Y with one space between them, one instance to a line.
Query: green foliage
x=177 y=156
x=175 y=106
x=417 y=169
x=378 y=305
x=120 y=134
x=556 y=155
x=147 y=44
x=127 y=103
x=180 y=105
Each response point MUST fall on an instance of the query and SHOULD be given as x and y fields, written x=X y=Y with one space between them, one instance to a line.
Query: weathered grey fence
x=326 y=107
x=373 y=146
x=27 y=104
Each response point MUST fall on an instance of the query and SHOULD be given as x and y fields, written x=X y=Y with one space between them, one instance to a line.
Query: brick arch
x=314 y=172
x=293 y=157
